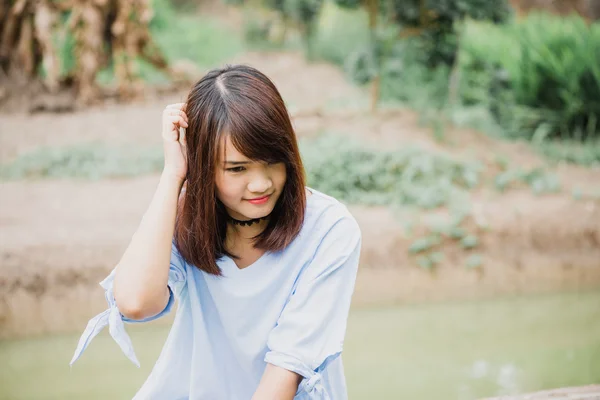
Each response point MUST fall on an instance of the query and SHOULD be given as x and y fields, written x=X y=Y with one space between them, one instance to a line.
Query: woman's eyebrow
x=237 y=162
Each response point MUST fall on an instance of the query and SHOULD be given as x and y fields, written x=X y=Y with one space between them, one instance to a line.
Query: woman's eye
x=236 y=169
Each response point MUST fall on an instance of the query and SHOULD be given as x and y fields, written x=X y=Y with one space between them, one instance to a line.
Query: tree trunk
x=103 y=31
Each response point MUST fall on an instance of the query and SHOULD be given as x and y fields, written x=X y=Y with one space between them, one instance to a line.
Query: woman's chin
x=256 y=212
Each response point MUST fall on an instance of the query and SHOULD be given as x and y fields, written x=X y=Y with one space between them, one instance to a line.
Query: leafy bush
x=586 y=154
x=540 y=76
x=84 y=161
x=340 y=32
x=302 y=15
x=352 y=171
x=190 y=36
x=437 y=19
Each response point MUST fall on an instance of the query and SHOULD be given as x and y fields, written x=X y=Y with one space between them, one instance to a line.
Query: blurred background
x=462 y=134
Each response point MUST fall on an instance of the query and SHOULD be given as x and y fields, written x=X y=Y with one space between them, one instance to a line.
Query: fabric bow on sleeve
x=111 y=317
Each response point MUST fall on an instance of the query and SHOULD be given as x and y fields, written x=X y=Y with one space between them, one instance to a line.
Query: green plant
x=84 y=161
x=437 y=41
x=340 y=32
x=424 y=244
x=586 y=153
x=469 y=242
x=474 y=261
x=354 y=172
x=429 y=261
x=538 y=179
x=540 y=76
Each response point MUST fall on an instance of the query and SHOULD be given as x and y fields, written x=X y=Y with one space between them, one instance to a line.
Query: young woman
x=263 y=267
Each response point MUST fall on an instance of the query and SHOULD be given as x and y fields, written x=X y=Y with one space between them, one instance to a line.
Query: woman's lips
x=260 y=200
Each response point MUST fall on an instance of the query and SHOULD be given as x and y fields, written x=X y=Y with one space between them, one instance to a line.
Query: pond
x=457 y=350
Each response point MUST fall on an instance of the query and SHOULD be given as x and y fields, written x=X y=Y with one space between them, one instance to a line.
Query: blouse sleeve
x=310 y=330
x=115 y=320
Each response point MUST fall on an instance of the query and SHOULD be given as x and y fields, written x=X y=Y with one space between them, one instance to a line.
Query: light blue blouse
x=288 y=308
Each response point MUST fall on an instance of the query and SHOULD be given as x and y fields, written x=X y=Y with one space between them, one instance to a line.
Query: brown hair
x=242 y=103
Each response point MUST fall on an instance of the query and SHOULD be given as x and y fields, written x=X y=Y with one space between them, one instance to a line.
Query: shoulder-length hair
x=241 y=103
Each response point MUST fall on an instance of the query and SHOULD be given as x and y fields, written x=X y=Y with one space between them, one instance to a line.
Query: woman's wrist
x=172 y=178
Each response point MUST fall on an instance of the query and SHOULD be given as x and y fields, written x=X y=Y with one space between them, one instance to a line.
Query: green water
x=442 y=351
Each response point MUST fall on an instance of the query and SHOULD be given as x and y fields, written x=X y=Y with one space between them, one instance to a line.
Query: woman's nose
x=260 y=185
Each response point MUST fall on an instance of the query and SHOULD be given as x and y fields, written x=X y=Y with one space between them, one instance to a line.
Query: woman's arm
x=277 y=384
x=141 y=276
x=142 y=273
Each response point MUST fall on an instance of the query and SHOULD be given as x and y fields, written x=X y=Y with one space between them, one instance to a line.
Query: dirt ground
x=59 y=238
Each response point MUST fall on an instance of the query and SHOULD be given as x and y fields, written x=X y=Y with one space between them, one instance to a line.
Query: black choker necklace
x=245 y=223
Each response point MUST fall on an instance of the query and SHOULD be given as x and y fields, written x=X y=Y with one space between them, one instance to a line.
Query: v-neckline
x=230 y=261
x=251 y=264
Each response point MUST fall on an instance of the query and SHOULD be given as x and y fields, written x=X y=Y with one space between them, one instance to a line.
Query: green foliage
x=406 y=80
x=474 y=261
x=164 y=15
x=343 y=37
x=469 y=242
x=429 y=261
x=437 y=20
x=64 y=42
x=301 y=15
x=424 y=244
x=303 y=11
x=349 y=4
x=355 y=173
x=539 y=76
x=443 y=12
x=202 y=40
x=537 y=178
x=587 y=194
x=586 y=154
x=85 y=161
x=441 y=233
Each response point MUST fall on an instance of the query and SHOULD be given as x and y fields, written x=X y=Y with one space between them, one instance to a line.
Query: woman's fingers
x=174 y=111
x=177 y=123
x=178 y=120
x=177 y=105
x=181 y=121
x=175 y=114
x=182 y=140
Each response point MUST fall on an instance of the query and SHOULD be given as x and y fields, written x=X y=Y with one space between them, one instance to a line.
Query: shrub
x=84 y=161
x=352 y=171
x=540 y=77
x=437 y=19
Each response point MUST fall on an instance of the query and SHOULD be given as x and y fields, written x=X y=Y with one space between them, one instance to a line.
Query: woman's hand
x=174 y=143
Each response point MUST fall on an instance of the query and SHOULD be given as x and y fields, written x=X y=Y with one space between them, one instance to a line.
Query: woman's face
x=240 y=181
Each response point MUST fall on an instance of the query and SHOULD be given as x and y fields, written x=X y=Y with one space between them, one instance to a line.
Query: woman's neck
x=240 y=237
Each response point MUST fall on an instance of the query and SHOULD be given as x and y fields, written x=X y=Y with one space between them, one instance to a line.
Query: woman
x=263 y=267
